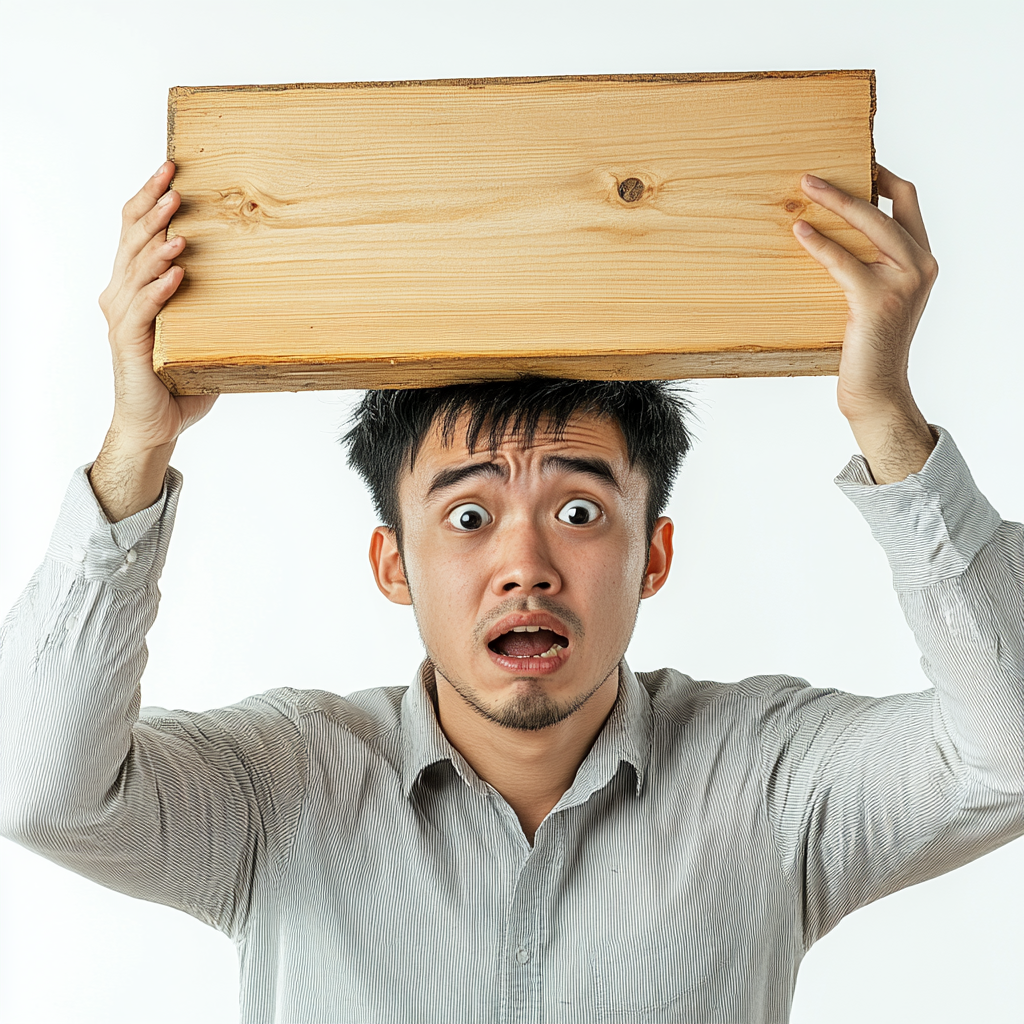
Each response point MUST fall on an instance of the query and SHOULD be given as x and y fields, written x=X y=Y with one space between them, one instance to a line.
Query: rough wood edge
x=871 y=137
x=172 y=111
x=225 y=377
x=481 y=83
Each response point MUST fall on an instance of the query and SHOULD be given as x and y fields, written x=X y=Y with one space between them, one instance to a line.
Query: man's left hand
x=885 y=300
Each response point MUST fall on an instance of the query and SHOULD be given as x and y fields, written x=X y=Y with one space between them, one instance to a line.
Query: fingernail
x=801 y=227
x=156 y=173
x=816 y=182
x=165 y=199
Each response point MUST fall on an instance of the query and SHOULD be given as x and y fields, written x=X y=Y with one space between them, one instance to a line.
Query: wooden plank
x=405 y=234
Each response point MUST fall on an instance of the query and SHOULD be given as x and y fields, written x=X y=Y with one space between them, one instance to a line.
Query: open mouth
x=529 y=642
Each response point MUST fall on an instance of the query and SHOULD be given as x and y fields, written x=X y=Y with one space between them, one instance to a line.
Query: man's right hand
x=129 y=472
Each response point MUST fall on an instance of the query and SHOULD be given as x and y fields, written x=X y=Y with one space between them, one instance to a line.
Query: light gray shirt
x=366 y=873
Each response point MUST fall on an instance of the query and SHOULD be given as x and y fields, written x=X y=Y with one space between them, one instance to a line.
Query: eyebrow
x=594 y=467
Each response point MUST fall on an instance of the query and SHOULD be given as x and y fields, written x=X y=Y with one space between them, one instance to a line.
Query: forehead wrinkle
x=455 y=427
x=576 y=445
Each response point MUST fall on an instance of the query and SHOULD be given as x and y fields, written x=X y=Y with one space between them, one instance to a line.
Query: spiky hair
x=388 y=427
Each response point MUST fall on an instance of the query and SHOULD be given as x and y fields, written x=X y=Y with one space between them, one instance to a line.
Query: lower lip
x=530 y=666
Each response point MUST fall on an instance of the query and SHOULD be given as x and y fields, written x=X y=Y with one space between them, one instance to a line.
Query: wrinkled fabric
x=365 y=873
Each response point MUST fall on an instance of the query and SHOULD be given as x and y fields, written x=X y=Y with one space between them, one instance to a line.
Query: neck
x=531 y=769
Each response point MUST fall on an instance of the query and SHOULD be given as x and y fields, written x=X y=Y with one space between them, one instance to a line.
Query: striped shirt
x=366 y=873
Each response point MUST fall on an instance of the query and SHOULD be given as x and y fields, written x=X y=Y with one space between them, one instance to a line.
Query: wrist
x=896 y=442
x=128 y=476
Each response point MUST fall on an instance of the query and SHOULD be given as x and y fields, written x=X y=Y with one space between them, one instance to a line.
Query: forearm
x=970 y=630
x=72 y=653
x=70 y=695
x=958 y=570
x=895 y=439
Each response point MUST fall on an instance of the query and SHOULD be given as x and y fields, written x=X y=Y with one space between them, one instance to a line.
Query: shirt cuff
x=127 y=554
x=930 y=525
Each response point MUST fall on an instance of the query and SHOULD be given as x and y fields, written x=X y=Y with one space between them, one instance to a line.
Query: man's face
x=525 y=567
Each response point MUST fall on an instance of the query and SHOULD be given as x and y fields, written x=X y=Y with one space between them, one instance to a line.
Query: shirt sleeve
x=870 y=795
x=172 y=807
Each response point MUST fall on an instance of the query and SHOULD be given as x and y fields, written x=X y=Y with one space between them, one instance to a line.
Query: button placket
x=526 y=926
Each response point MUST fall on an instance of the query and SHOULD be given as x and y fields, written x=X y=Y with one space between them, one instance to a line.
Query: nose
x=525 y=562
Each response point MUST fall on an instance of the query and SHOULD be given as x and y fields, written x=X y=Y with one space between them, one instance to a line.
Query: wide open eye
x=469 y=517
x=579 y=512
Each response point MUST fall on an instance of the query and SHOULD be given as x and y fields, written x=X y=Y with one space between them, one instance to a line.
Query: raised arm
x=869 y=795
x=173 y=807
x=128 y=474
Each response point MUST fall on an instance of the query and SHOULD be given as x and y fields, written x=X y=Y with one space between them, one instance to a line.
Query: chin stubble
x=535 y=709
x=525 y=712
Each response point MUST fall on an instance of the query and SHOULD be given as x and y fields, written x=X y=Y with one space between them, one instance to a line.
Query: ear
x=660 y=558
x=386 y=563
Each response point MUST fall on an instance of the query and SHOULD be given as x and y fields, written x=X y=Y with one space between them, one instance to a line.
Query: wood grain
x=408 y=234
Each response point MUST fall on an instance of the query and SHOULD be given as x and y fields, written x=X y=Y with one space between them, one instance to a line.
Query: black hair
x=390 y=425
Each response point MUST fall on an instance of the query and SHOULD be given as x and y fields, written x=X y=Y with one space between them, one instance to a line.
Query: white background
x=267 y=582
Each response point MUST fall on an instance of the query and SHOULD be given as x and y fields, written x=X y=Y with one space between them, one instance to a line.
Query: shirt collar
x=625 y=736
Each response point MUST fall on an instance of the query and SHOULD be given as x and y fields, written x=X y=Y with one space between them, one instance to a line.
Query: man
x=530 y=831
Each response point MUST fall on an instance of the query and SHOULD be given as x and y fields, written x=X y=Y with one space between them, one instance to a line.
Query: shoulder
x=364 y=714
x=285 y=714
x=762 y=704
x=678 y=697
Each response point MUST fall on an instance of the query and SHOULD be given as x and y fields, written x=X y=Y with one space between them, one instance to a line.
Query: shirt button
x=523 y=955
x=131 y=556
x=77 y=554
x=71 y=623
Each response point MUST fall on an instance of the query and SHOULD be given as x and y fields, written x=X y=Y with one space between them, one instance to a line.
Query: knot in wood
x=631 y=190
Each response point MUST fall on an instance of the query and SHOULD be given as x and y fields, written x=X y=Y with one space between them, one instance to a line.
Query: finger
x=153 y=261
x=890 y=238
x=151 y=225
x=906 y=210
x=137 y=324
x=128 y=279
x=846 y=270
x=145 y=199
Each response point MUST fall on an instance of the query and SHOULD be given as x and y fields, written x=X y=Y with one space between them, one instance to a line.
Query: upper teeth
x=525 y=629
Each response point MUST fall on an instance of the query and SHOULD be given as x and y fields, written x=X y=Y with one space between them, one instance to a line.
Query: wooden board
x=404 y=234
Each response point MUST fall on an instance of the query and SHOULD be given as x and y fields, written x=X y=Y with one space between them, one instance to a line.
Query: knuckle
x=892 y=306
x=883 y=220
x=923 y=275
x=147 y=222
x=146 y=295
x=131 y=274
x=155 y=291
